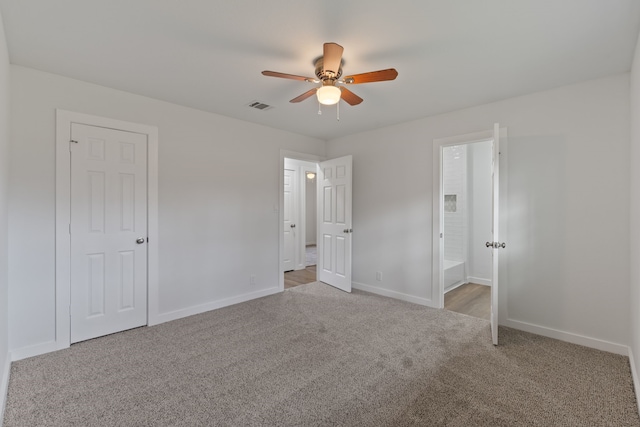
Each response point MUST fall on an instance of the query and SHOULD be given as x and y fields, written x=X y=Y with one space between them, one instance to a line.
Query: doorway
x=108 y=230
x=299 y=222
x=333 y=218
x=467 y=196
x=139 y=280
x=498 y=138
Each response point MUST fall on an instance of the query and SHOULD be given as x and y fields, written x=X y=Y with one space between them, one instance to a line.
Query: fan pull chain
x=338 y=111
x=319 y=108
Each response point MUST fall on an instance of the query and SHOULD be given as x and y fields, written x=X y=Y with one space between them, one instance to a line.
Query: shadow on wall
x=537 y=223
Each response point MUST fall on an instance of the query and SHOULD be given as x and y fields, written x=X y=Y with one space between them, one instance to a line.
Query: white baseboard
x=197 y=309
x=48 y=347
x=392 y=294
x=634 y=377
x=479 y=281
x=455 y=286
x=33 y=350
x=4 y=385
x=568 y=337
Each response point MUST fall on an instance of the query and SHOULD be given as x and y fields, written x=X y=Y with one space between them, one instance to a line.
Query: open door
x=495 y=245
x=334 y=222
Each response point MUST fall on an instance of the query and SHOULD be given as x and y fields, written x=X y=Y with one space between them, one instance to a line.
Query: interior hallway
x=302 y=277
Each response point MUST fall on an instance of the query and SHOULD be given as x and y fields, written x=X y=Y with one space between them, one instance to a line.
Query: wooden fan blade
x=349 y=97
x=288 y=76
x=332 y=57
x=305 y=95
x=372 y=76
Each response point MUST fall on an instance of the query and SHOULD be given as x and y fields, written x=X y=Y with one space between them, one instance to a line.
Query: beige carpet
x=315 y=356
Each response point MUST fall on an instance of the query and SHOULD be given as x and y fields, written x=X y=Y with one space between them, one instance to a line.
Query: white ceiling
x=208 y=54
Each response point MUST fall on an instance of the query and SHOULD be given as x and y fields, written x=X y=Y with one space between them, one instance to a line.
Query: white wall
x=218 y=187
x=634 y=252
x=567 y=270
x=454 y=184
x=4 y=181
x=479 y=189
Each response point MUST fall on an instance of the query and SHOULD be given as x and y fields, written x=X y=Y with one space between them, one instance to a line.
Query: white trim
x=478 y=281
x=64 y=119
x=4 y=386
x=454 y=286
x=634 y=377
x=280 y=208
x=437 y=224
x=213 y=305
x=437 y=191
x=33 y=350
x=393 y=294
x=568 y=337
x=300 y=210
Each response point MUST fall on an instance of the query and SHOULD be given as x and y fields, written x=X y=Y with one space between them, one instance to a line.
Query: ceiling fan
x=329 y=73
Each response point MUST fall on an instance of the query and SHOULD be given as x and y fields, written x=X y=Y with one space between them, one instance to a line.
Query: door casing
x=280 y=208
x=438 y=221
x=64 y=119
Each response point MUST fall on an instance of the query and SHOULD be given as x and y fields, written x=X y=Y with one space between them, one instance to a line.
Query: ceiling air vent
x=260 y=105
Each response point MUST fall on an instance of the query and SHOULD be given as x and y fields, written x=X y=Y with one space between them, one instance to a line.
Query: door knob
x=140 y=240
x=292 y=226
x=496 y=245
x=347 y=230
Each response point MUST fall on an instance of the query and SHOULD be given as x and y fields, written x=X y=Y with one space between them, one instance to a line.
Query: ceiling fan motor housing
x=326 y=74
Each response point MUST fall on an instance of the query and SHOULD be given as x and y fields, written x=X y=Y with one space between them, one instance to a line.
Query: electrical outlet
x=252 y=280
x=379 y=276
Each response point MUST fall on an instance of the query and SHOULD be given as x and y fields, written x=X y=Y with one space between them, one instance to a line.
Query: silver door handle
x=496 y=245
x=292 y=226
x=140 y=240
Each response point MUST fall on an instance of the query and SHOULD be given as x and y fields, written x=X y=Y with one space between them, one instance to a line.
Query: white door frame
x=438 y=220
x=296 y=156
x=300 y=209
x=64 y=119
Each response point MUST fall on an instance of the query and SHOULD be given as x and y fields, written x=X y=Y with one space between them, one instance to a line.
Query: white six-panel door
x=108 y=231
x=334 y=222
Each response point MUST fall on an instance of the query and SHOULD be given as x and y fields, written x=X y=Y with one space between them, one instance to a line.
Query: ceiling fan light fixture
x=328 y=95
